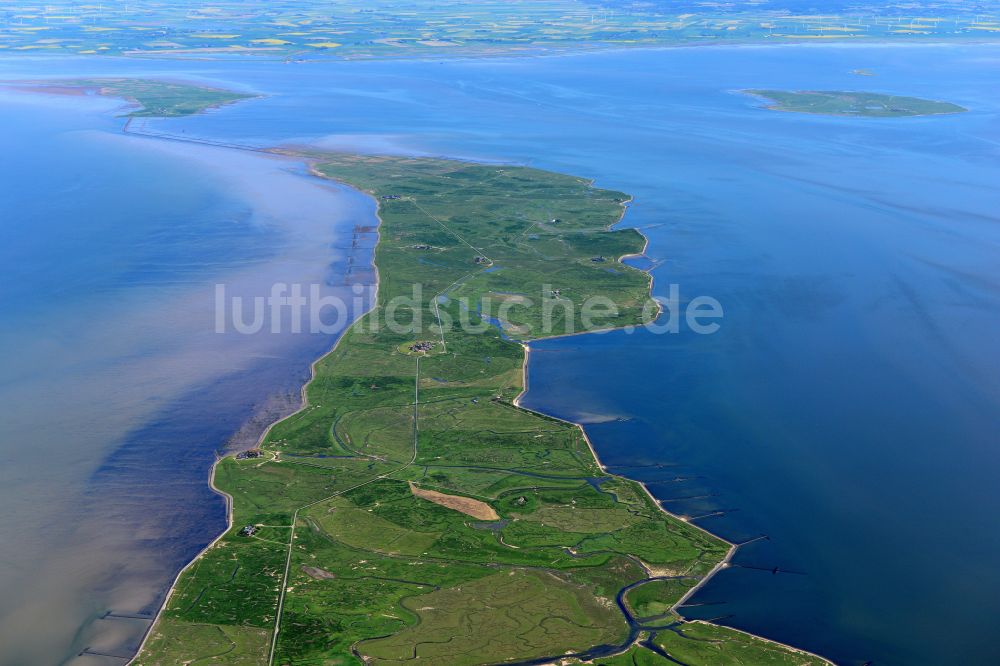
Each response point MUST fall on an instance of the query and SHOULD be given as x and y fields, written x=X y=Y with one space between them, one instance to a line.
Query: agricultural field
x=412 y=509
x=844 y=103
x=296 y=30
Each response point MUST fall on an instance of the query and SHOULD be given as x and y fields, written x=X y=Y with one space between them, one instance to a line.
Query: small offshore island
x=411 y=508
x=149 y=97
x=848 y=103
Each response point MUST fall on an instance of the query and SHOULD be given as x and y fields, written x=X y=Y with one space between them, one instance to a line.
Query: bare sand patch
x=467 y=505
x=317 y=573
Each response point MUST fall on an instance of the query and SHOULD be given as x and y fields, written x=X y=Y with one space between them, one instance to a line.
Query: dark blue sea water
x=847 y=408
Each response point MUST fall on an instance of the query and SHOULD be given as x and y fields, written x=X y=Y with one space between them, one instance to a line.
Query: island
x=849 y=103
x=150 y=98
x=411 y=508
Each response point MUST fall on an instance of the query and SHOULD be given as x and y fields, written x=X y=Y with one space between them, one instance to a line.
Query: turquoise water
x=848 y=407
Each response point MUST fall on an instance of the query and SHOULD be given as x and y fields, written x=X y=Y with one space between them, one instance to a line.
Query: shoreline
x=722 y=564
x=733 y=547
x=310 y=163
x=173 y=586
x=303 y=405
x=109 y=601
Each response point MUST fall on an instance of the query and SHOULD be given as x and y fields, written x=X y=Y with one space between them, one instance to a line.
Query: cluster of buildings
x=249 y=453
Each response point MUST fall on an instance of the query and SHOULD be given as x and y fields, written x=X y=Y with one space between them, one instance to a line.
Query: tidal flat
x=121 y=394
